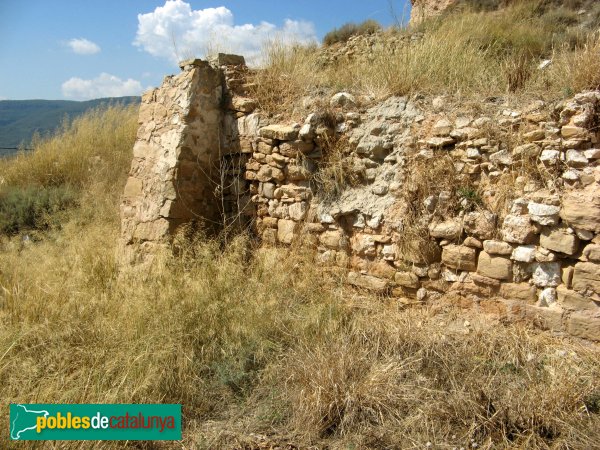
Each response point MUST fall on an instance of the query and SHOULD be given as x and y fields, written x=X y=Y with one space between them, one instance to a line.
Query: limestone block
x=133 y=188
x=381 y=269
x=342 y=99
x=567 y=276
x=570 y=132
x=547 y=297
x=364 y=245
x=494 y=247
x=575 y=301
x=544 y=214
x=575 y=158
x=518 y=291
x=496 y=267
x=546 y=274
x=559 y=240
x=470 y=241
x=449 y=229
x=524 y=253
x=481 y=224
x=591 y=252
x=332 y=239
x=407 y=279
x=297 y=211
x=442 y=127
x=459 y=257
x=584 y=326
x=581 y=208
x=369 y=282
x=268 y=173
x=420 y=252
x=586 y=279
x=517 y=229
x=279 y=132
x=285 y=231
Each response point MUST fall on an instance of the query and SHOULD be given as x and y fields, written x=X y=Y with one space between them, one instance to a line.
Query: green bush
x=348 y=30
x=32 y=207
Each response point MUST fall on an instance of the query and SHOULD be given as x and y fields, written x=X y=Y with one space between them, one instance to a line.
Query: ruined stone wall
x=499 y=211
x=175 y=160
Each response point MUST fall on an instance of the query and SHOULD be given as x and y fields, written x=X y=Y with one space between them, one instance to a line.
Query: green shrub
x=32 y=207
x=348 y=30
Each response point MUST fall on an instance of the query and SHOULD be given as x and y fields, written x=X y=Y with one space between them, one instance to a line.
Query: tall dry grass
x=469 y=53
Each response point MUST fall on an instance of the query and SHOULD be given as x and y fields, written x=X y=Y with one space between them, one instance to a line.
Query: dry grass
x=85 y=151
x=470 y=54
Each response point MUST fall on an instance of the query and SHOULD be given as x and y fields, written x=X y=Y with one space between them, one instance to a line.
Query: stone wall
x=498 y=212
x=175 y=160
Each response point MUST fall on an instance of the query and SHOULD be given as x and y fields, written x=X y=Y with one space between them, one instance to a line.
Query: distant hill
x=20 y=119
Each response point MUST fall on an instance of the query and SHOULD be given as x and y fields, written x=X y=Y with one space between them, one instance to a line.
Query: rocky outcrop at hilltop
x=423 y=9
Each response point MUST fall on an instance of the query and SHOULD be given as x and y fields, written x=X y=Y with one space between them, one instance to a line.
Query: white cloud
x=175 y=31
x=104 y=85
x=83 y=46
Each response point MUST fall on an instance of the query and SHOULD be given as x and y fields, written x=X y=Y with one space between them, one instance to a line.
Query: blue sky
x=80 y=49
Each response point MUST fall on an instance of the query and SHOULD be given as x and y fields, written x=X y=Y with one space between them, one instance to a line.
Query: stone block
x=279 y=132
x=518 y=291
x=544 y=214
x=285 y=231
x=496 y=267
x=332 y=239
x=559 y=240
x=449 y=229
x=368 y=282
x=494 y=247
x=573 y=300
x=459 y=257
x=584 y=326
x=591 y=252
x=586 y=279
x=381 y=269
x=517 y=229
x=524 y=253
x=481 y=224
x=581 y=208
x=546 y=274
x=407 y=279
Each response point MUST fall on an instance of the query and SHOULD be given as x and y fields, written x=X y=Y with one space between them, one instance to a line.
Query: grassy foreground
x=260 y=347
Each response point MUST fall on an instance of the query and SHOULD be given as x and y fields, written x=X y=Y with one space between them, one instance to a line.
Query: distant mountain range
x=20 y=119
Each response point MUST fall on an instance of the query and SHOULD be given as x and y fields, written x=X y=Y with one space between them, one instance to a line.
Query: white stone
x=524 y=253
x=326 y=218
x=342 y=99
x=575 y=158
x=550 y=156
x=389 y=252
x=442 y=127
x=375 y=221
x=592 y=153
x=584 y=235
x=359 y=221
x=544 y=214
x=297 y=211
x=570 y=175
x=547 y=297
x=546 y=274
